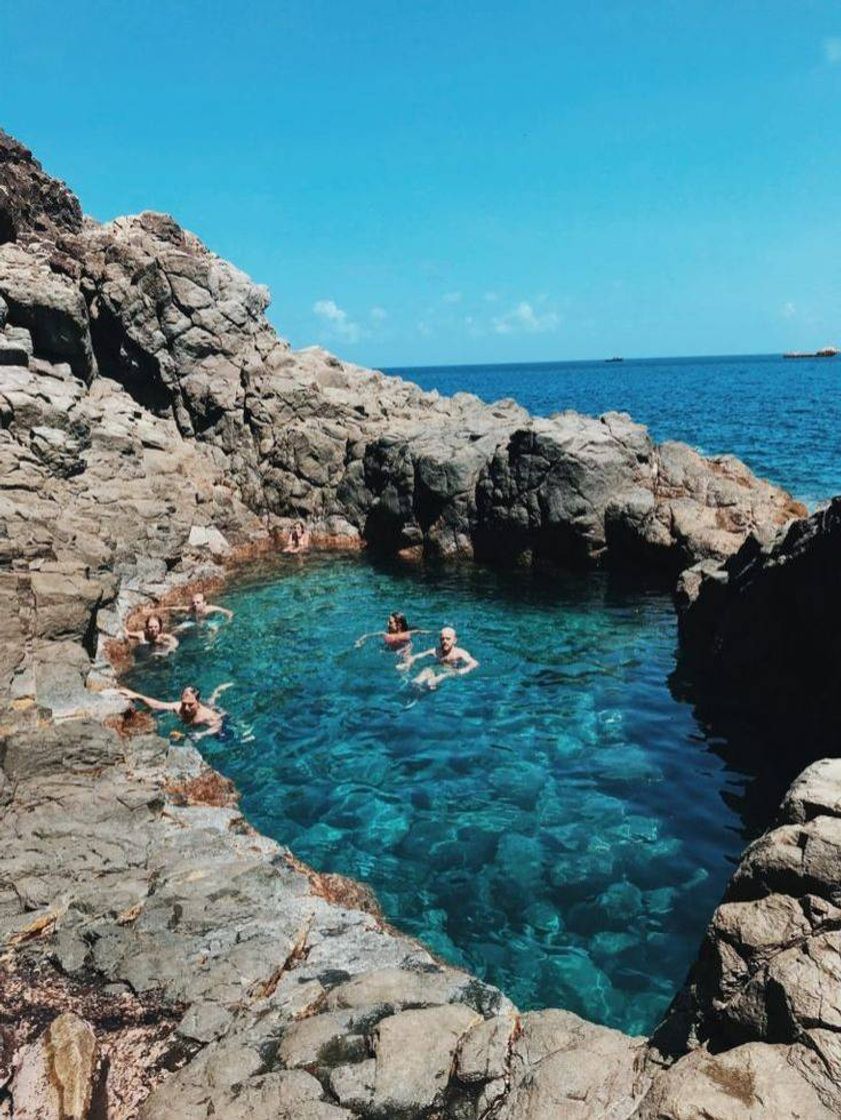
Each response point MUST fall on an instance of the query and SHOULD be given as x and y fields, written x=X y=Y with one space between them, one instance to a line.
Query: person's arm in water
x=212 y=608
x=408 y=662
x=149 y=701
x=217 y=692
x=374 y=634
x=211 y=720
x=169 y=641
x=466 y=662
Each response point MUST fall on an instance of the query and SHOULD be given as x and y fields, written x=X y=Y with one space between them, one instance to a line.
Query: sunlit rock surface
x=148 y=410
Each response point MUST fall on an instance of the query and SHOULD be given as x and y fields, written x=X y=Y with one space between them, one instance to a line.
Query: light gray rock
x=751 y=1082
x=49 y=305
x=414 y=1053
x=154 y=428
x=816 y=792
x=12 y=353
x=561 y=1065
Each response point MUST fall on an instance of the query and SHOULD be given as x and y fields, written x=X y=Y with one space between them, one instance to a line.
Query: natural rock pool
x=556 y=822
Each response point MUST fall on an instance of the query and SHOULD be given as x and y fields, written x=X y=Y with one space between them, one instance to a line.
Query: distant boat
x=826 y=352
x=614 y=359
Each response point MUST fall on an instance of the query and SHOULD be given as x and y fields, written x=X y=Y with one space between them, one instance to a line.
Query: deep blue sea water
x=557 y=821
x=782 y=417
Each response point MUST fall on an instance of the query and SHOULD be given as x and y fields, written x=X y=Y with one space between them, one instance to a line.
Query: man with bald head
x=452 y=660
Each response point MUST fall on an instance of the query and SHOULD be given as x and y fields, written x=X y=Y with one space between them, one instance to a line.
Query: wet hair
x=191 y=688
x=153 y=618
x=399 y=621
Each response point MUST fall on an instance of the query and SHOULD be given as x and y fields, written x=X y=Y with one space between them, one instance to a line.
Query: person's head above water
x=397 y=623
x=189 y=706
x=197 y=602
x=153 y=627
x=447 y=639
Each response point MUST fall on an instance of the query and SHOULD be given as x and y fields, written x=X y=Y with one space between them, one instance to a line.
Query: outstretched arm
x=217 y=692
x=136 y=635
x=361 y=641
x=467 y=663
x=149 y=701
x=213 y=609
x=408 y=662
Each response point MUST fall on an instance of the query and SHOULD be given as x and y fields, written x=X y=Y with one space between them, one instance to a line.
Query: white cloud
x=378 y=314
x=788 y=310
x=337 y=319
x=832 y=50
x=490 y=297
x=424 y=328
x=451 y=297
x=524 y=318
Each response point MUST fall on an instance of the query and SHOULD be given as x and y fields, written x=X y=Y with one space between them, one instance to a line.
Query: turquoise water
x=782 y=417
x=554 y=821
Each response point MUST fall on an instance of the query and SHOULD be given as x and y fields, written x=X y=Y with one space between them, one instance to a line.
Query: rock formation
x=152 y=428
x=770 y=964
x=762 y=631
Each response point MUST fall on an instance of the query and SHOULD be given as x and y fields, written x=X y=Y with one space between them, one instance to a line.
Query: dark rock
x=762 y=631
x=32 y=203
x=154 y=427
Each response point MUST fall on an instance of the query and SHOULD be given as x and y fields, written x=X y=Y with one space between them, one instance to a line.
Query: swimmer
x=189 y=708
x=153 y=634
x=453 y=660
x=397 y=634
x=299 y=538
x=199 y=607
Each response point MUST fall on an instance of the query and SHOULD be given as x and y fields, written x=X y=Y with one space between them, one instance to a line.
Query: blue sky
x=460 y=182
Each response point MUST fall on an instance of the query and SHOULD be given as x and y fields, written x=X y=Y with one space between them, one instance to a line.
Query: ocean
x=560 y=822
x=782 y=417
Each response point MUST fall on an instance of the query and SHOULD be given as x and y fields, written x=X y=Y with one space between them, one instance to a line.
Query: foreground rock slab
x=154 y=428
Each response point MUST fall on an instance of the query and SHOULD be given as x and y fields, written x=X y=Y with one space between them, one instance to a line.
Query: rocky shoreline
x=154 y=431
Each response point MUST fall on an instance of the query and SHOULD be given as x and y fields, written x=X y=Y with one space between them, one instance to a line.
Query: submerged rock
x=152 y=426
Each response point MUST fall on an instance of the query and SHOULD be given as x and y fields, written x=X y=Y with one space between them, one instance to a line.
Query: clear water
x=553 y=822
x=556 y=822
x=781 y=417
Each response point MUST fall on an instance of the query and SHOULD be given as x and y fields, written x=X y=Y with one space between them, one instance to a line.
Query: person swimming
x=153 y=634
x=453 y=660
x=397 y=634
x=199 y=608
x=189 y=707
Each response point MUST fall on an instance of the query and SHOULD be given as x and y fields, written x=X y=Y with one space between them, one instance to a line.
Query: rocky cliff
x=762 y=631
x=152 y=429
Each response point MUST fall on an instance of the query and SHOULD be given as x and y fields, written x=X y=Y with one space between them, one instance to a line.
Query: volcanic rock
x=153 y=427
x=762 y=631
